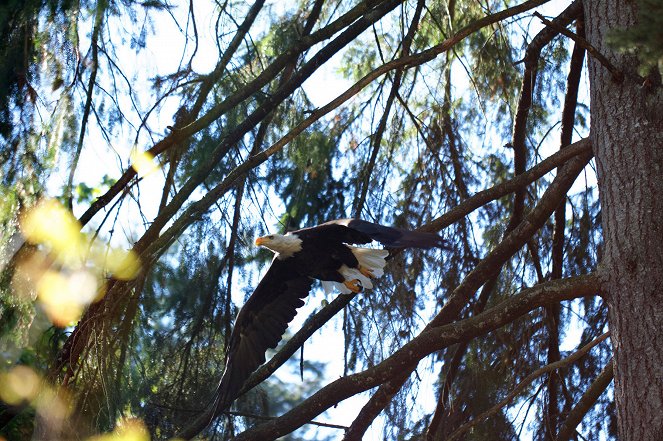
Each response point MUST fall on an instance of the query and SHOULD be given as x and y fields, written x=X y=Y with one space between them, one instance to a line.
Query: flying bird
x=324 y=252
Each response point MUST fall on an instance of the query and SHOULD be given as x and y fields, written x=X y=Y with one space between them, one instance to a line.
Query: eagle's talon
x=367 y=272
x=353 y=285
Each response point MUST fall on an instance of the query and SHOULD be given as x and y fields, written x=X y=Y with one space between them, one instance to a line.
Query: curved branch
x=588 y=399
x=267 y=75
x=428 y=341
x=485 y=196
x=561 y=364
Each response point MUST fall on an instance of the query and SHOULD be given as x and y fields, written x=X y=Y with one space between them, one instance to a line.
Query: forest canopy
x=144 y=145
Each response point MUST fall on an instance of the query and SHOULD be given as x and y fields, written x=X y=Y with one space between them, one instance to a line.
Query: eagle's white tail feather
x=369 y=258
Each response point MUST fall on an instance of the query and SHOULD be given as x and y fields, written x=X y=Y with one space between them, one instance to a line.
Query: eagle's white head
x=283 y=245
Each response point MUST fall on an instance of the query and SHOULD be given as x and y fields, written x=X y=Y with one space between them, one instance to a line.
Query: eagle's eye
x=270 y=237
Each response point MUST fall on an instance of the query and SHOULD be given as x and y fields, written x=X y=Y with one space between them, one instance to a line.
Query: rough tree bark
x=627 y=135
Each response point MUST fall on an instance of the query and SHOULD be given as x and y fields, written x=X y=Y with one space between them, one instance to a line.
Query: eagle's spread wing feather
x=393 y=237
x=260 y=324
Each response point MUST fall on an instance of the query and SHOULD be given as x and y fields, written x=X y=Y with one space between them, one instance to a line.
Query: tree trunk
x=627 y=135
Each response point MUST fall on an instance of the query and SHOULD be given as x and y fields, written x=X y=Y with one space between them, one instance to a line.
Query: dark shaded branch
x=532 y=55
x=557 y=254
x=441 y=409
x=561 y=364
x=617 y=75
x=94 y=44
x=430 y=340
x=242 y=94
x=588 y=400
x=220 y=67
x=485 y=196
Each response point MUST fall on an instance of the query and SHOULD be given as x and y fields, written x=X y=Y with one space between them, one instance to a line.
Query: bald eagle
x=324 y=252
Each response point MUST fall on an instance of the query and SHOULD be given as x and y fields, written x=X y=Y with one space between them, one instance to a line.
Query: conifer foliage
x=144 y=145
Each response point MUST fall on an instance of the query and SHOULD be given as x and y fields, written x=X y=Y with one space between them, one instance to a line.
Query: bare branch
x=617 y=75
x=561 y=364
x=514 y=241
x=588 y=400
x=430 y=340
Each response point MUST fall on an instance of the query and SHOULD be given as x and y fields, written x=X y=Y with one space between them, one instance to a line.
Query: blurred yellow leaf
x=21 y=384
x=143 y=163
x=65 y=296
x=123 y=265
x=128 y=429
x=51 y=224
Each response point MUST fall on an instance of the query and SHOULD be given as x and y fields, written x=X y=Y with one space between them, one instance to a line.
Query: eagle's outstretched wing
x=393 y=237
x=259 y=326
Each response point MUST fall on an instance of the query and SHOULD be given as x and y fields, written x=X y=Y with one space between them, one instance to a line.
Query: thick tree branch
x=617 y=75
x=586 y=402
x=560 y=364
x=485 y=196
x=242 y=94
x=514 y=241
x=385 y=392
x=430 y=340
x=553 y=313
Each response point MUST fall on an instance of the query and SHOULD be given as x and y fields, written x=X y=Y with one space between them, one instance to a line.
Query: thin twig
x=269 y=418
x=561 y=364
x=586 y=402
x=617 y=75
x=430 y=340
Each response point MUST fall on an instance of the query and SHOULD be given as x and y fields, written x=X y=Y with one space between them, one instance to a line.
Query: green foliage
x=645 y=40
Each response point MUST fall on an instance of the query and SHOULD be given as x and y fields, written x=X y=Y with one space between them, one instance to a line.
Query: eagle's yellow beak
x=260 y=241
